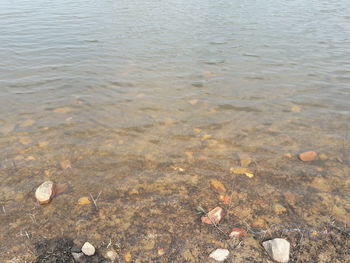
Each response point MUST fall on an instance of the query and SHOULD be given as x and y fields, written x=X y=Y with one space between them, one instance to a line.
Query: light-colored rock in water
x=214 y=216
x=112 y=255
x=278 y=249
x=219 y=254
x=45 y=192
x=88 y=249
x=237 y=232
x=308 y=156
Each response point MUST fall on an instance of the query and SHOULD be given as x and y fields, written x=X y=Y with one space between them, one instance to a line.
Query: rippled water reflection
x=132 y=91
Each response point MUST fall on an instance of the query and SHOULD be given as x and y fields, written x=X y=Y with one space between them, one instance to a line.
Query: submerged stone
x=45 y=192
x=278 y=249
x=219 y=254
x=308 y=156
x=214 y=216
x=237 y=232
x=112 y=255
x=88 y=249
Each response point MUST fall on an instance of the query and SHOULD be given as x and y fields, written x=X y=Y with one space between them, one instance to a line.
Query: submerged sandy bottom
x=149 y=190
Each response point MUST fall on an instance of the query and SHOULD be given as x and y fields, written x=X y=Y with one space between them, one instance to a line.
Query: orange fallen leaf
x=84 y=201
x=218 y=186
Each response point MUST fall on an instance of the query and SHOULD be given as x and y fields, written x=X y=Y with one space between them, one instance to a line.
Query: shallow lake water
x=144 y=103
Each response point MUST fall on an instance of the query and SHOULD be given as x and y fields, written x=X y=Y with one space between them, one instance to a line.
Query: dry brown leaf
x=218 y=186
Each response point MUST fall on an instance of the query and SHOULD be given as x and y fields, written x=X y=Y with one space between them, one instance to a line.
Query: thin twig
x=110 y=243
x=95 y=200
x=32 y=216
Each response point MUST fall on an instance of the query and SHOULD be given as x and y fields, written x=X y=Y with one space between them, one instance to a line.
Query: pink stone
x=214 y=216
x=238 y=232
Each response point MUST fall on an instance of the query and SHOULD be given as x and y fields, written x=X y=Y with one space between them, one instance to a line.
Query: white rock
x=278 y=249
x=88 y=249
x=45 y=192
x=220 y=254
x=112 y=255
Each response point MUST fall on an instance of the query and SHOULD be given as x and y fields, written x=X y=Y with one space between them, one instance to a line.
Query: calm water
x=130 y=91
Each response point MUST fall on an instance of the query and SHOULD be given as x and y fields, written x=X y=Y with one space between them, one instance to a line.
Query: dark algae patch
x=56 y=250
x=59 y=250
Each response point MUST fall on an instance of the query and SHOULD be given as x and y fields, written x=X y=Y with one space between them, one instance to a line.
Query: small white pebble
x=219 y=254
x=44 y=192
x=112 y=255
x=88 y=249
